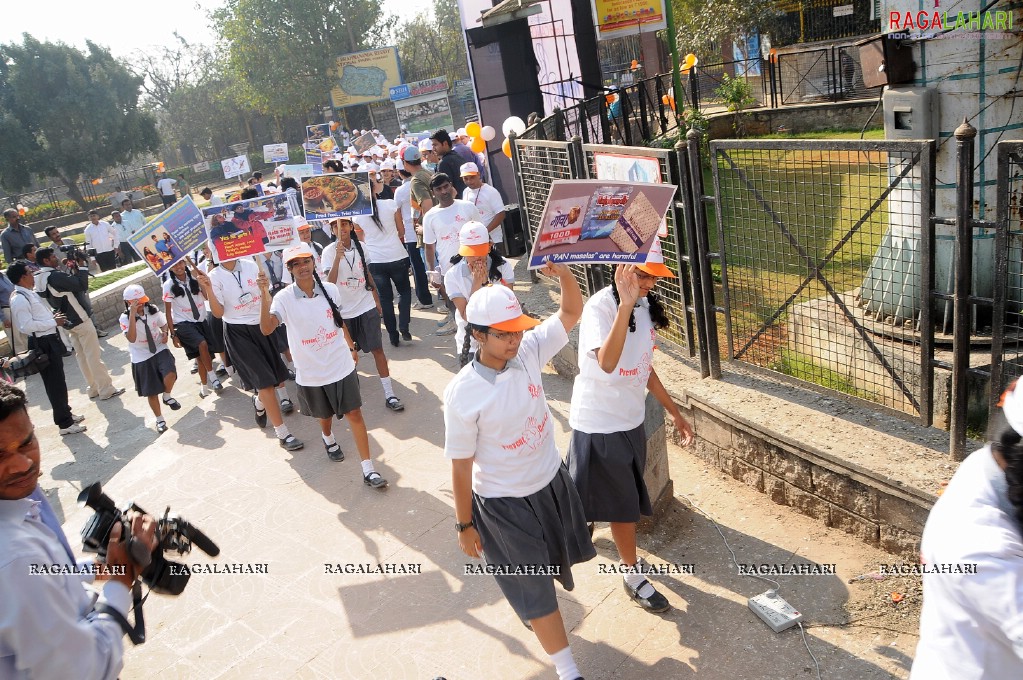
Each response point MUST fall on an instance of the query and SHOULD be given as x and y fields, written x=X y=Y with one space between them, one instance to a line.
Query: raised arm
x=571 y=297
x=609 y=353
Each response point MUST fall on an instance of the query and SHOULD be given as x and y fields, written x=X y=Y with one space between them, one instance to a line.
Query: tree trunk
x=74 y=193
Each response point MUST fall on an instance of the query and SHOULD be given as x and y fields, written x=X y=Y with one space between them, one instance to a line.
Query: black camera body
x=173 y=534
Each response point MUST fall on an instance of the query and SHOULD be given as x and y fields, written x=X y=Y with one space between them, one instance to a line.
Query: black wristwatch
x=459 y=527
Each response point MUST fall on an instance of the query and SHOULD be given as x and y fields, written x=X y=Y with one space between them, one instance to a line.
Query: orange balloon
x=478 y=145
x=506 y=148
x=635 y=64
x=333 y=125
x=473 y=129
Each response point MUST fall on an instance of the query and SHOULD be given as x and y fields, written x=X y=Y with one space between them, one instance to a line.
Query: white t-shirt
x=616 y=401
x=318 y=347
x=237 y=292
x=166 y=186
x=403 y=202
x=181 y=311
x=971 y=625
x=381 y=242
x=351 y=280
x=489 y=202
x=458 y=284
x=101 y=237
x=139 y=350
x=506 y=424
x=441 y=227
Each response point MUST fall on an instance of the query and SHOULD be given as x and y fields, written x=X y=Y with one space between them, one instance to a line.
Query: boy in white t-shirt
x=488 y=201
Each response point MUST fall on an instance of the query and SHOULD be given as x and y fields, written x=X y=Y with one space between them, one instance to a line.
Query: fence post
x=559 y=124
x=702 y=252
x=694 y=88
x=644 y=127
x=691 y=285
x=965 y=135
x=520 y=193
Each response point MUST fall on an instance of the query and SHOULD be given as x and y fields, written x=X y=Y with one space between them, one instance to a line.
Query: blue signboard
x=400 y=92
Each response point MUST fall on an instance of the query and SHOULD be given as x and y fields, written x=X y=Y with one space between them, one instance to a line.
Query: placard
x=624 y=168
x=169 y=236
x=600 y=222
x=275 y=153
x=251 y=227
x=235 y=167
x=333 y=195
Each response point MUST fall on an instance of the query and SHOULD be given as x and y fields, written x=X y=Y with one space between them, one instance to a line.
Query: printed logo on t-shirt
x=535 y=391
x=532 y=436
x=322 y=339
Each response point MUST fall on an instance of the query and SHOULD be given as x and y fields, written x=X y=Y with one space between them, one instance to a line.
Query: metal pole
x=965 y=135
x=676 y=78
x=693 y=138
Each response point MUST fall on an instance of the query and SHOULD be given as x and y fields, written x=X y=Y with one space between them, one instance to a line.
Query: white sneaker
x=448 y=329
x=417 y=305
x=73 y=429
x=442 y=308
x=77 y=419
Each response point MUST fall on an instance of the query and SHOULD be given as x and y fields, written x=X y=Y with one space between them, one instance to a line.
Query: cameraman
x=49 y=626
x=74 y=259
x=61 y=290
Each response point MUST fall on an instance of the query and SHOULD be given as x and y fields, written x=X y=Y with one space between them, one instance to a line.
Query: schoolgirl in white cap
x=515 y=504
x=607 y=452
x=472 y=268
x=152 y=364
x=189 y=324
x=328 y=385
x=971 y=625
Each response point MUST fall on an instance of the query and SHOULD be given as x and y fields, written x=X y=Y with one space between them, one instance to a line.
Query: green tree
x=67 y=114
x=703 y=24
x=431 y=44
x=283 y=56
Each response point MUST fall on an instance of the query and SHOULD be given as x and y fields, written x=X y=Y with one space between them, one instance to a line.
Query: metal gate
x=825 y=253
x=1007 y=337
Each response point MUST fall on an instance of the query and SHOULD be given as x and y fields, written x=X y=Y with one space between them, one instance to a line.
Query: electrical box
x=885 y=61
x=910 y=113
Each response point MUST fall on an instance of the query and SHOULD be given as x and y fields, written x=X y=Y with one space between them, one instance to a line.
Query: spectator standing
x=15 y=237
x=124 y=230
x=36 y=320
x=62 y=289
x=488 y=201
x=449 y=161
x=183 y=187
x=166 y=188
x=101 y=241
x=207 y=193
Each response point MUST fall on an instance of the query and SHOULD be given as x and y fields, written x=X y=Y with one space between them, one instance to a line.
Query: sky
x=126 y=27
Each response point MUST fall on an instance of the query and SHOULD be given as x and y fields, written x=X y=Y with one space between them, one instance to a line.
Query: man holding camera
x=62 y=290
x=51 y=625
x=74 y=257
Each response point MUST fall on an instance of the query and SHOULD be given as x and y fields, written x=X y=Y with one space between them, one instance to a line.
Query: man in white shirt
x=101 y=240
x=131 y=221
x=405 y=220
x=51 y=624
x=440 y=235
x=488 y=201
x=166 y=188
x=207 y=193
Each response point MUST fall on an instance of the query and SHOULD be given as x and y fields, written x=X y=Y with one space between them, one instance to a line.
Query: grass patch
x=798 y=366
x=872 y=134
x=106 y=278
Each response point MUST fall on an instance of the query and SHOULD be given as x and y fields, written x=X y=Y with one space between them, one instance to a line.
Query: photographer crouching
x=51 y=623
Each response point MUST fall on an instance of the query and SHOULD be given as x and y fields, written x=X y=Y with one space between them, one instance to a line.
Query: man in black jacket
x=62 y=291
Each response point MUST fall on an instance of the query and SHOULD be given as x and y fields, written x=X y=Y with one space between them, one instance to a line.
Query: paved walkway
x=300 y=514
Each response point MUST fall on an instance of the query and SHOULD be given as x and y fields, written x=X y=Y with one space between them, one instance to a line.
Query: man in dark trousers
x=450 y=161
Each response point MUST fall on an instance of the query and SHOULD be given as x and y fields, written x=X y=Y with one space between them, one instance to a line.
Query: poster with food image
x=327 y=197
x=364 y=143
x=252 y=226
x=599 y=222
x=625 y=168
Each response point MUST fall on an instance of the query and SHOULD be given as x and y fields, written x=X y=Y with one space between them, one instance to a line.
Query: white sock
x=634 y=577
x=388 y=390
x=281 y=431
x=564 y=663
x=202 y=390
x=166 y=396
x=282 y=393
x=328 y=439
x=257 y=403
x=160 y=419
x=367 y=467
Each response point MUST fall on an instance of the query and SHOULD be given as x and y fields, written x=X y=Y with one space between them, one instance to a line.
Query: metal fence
x=1007 y=337
x=54 y=202
x=823 y=74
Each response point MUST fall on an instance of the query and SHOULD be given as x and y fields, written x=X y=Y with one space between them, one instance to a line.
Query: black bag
x=26 y=363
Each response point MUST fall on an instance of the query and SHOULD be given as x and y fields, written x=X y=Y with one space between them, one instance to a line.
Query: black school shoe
x=334 y=452
x=260 y=414
x=290 y=443
x=656 y=603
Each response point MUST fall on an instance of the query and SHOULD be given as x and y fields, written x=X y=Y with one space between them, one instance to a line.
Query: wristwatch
x=459 y=527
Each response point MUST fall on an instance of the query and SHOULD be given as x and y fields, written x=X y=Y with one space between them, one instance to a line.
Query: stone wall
x=879 y=511
x=795 y=119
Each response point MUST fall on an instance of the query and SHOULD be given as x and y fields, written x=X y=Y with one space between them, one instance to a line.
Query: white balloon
x=488 y=133
x=513 y=124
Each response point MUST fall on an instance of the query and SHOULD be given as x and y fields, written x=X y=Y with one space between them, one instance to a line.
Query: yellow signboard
x=616 y=18
x=364 y=77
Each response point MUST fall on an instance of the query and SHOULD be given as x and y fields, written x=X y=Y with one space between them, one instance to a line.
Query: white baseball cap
x=497 y=307
x=654 y=264
x=387 y=165
x=135 y=292
x=298 y=252
x=461 y=133
x=468 y=169
x=473 y=239
x=425 y=145
x=370 y=167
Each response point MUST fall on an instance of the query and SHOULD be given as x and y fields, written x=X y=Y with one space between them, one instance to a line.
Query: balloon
x=635 y=64
x=488 y=133
x=472 y=129
x=690 y=61
x=478 y=145
x=333 y=125
x=506 y=148
x=513 y=124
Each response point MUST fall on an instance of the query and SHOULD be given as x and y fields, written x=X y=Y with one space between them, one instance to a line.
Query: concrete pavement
x=299 y=517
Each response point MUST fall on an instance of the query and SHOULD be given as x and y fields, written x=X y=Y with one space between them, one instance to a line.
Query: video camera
x=172 y=533
x=72 y=251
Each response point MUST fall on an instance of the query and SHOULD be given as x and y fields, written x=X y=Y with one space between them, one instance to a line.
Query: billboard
x=617 y=18
x=365 y=77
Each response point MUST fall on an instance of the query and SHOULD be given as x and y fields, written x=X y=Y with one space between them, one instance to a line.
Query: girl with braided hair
x=328 y=384
x=344 y=264
x=971 y=554
x=188 y=323
x=388 y=263
x=607 y=452
x=474 y=267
